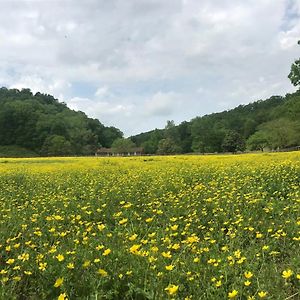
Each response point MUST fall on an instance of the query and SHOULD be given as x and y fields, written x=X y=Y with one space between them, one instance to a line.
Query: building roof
x=110 y=150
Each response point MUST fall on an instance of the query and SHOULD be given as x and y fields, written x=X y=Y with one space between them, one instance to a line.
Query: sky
x=135 y=64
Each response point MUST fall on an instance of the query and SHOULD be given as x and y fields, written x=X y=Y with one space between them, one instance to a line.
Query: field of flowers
x=185 y=227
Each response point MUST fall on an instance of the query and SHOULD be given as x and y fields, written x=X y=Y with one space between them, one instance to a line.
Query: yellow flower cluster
x=178 y=227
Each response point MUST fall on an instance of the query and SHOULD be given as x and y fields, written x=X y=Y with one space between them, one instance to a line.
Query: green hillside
x=270 y=124
x=41 y=124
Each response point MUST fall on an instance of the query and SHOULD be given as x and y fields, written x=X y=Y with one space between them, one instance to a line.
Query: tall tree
x=122 y=145
x=294 y=75
x=233 y=142
x=258 y=141
x=56 y=145
x=168 y=146
x=281 y=133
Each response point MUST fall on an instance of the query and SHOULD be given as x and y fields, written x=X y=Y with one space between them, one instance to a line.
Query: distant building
x=137 y=151
x=295 y=148
x=103 y=152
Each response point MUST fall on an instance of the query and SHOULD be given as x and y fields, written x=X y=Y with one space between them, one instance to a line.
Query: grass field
x=185 y=227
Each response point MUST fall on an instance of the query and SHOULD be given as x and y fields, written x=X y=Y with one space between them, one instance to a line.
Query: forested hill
x=44 y=126
x=41 y=125
x=270 y=124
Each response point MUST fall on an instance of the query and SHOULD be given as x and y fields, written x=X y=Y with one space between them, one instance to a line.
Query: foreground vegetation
x=185 y=227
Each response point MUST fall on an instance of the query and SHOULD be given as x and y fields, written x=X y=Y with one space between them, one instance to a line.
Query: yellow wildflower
x=174 y=227
x=27 y=272
x=169 y=267
x=218 y=283
x=59 y=281
x=10 y=261
x=86 y=264
x=62 y=297
x=287 y=274
x=60 y=257
x=123 y=221
x=149 y=220
x=133 y=237
x=232 y=294
x=175 y=246
x=172 y=289
x=247 y=283
x=134 y=249
x=17 y=278
x=106 y=252
x=102 y=272
x=101 y=227
x=42 y=266
x=166 y=254
x=70 y=266
x=99 y=247
x=248 y=275
x=262 y=294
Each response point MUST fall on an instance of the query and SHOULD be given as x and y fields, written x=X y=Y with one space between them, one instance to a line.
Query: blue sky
x=135 y=64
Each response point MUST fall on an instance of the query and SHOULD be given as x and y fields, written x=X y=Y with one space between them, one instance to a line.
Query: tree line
x=270 y=124
x=42 y=124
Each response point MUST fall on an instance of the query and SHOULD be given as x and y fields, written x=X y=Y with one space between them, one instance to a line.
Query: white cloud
x=161 y=104
x=148 y=60
x=106 y=112
x=288 y=39
x=56 y=87
x=102 y=91
x=95 y=108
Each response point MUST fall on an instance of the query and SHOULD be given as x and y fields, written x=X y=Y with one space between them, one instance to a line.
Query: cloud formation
x=134 y=64
x=161 y=104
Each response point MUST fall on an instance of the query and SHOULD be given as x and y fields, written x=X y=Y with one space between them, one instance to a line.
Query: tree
x=150 y=146
x=122 y=145
x=56 y=145
x=249 y=127
x=207 y=134
x=258 y=141
x=233 y=142
x=168 y=146
x=282 y=133
x=110 y=134
x=294 y=75
x=184 y=132
x=198 y=145
x=171 y=131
